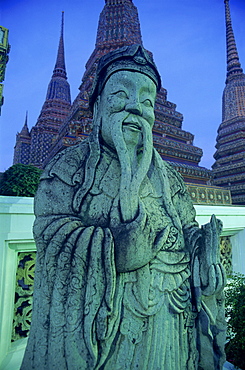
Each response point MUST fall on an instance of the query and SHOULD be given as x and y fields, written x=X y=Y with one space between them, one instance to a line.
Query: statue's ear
x=96 y=116
x=96 y=110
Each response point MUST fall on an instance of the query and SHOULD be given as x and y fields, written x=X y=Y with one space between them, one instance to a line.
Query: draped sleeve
x=75 y=276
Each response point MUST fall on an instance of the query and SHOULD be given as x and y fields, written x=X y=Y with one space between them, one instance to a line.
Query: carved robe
x=92 y=311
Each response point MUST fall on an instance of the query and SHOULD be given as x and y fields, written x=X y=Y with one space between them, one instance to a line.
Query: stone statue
x=125 y=278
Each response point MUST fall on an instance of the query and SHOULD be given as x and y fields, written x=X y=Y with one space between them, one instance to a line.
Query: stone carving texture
x=125 y=278
x=23 y=294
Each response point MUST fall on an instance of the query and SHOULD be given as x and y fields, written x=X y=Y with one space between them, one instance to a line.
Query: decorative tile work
x=4 y=51
x=23 y=295
x=200 y=174
x=209 y=195
x=226 y=254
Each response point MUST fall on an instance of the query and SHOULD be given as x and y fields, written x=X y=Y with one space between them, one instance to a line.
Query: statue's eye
x=121 y=94
x=147 y=103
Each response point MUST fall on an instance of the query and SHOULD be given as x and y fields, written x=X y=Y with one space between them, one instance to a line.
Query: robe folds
x=88 y=312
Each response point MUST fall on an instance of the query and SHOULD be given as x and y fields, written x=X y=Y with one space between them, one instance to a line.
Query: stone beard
x=125 y=278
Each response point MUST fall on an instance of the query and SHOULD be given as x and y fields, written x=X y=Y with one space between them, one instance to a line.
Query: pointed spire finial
x=62 y=23
x=26 y=118
x=60 y=69
x=233 y=64
x=25 y=130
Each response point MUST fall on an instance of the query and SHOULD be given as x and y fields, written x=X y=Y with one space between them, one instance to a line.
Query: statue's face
x=127 y=106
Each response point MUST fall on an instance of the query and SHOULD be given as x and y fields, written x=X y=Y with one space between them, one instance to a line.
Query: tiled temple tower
x=118 y=26
x=23 y=145
x=229 y=166
x=53 y=114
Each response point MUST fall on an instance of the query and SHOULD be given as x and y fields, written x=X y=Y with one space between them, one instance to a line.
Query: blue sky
x=186 y=37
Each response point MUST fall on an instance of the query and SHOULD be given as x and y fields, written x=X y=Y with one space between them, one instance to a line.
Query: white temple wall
x=16 y=220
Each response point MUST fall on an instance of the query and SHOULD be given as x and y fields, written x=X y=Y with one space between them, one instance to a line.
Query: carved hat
x=131 y=58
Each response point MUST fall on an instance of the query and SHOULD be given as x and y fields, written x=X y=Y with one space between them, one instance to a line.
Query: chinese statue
x=125 y=277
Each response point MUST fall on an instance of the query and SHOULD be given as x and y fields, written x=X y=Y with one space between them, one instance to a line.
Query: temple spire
x=60 y=69
x=26 y=119
x=233 y=64
x=118 y=25
x=25 y=129
x=22 y=145
x=58 y=87
x=228 y=169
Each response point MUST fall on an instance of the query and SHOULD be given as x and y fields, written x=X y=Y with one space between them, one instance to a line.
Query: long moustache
x=132 y=177
x=145 y=147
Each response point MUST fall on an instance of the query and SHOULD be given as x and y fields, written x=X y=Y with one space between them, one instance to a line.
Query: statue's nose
x=134 y=107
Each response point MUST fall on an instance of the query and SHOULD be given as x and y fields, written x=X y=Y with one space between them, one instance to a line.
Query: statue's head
x=132 y=58
x=122 y=99
x=123 y=96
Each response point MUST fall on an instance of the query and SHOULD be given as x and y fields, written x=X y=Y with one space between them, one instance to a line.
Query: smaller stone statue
x=125 y=278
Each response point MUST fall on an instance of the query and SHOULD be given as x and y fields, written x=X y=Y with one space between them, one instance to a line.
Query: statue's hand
x=212 y=274
x=216 y=280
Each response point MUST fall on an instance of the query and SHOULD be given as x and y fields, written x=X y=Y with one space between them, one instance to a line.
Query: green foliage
x=235 y=313
x=20 y=180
